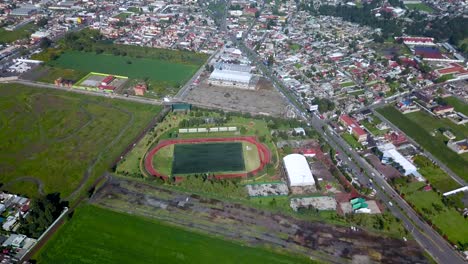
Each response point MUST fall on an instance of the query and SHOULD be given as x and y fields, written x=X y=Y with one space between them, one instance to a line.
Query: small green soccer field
x=208 y=157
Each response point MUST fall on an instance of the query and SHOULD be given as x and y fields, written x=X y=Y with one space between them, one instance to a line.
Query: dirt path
x=38 y=182
x=106 y=149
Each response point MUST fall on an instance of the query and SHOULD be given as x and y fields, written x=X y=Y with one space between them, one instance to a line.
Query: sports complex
x=231 y=157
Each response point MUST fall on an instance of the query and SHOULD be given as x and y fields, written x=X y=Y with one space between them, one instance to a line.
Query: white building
x=233 y=75
x=297 y=168
x=391 y=155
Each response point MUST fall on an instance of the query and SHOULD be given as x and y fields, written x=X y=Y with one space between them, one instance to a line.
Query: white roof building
x=226 y=74
x=298 y=170
x=390 y=153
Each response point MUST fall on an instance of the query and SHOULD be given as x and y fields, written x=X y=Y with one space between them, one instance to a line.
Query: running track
x=263 y=153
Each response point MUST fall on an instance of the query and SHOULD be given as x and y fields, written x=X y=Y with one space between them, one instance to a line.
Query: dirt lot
x=256 y=227
x=264 y=100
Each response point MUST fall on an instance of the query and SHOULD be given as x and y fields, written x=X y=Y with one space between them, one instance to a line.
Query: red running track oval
x=263 y=153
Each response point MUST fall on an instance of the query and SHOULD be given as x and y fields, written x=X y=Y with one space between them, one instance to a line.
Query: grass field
x=208 y=157
x=420 y=6
x=22 y=33
x=52 y=73
x=57 y=137
x=438 y=178
x=457 y=104
x=449 y=221
x=163 y=160
x=96 y=235
x=160 y=73
x=420 y=125
x=351 y=140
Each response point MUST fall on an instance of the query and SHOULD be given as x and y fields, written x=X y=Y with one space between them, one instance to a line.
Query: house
x=140 y=89
x=353 y=128
x=443 y=109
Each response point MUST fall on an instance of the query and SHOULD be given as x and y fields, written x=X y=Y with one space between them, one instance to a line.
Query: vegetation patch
x=21 y=33
x=61 y=138
x=420 y=6
x=111 y=237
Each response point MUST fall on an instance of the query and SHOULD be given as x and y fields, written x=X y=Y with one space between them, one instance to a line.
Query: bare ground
x=264 y=100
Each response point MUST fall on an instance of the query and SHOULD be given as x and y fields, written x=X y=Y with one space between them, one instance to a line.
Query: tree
x=271 y=60
x=42 y=22
x=43 y=211
x=45 y=43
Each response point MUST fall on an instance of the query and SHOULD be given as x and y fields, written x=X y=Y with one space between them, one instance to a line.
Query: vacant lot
x=96 y=235
x=420 y=126
x=58 y=140
x=208 y=157
x=265 y=100
x=22 y=33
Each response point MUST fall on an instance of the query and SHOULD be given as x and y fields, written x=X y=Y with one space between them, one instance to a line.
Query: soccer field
x=208 y=157
x=97 y=235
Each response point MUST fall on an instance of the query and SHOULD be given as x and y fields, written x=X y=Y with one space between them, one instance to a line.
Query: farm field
x=161 y=71
x=428 y=203
x=22 y=33
x=420 y=125
x=59 y=140
x=97 y=235
x=208 y=157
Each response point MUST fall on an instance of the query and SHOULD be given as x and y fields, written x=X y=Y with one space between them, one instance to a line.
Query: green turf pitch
x=96 y=235
x=208 y=157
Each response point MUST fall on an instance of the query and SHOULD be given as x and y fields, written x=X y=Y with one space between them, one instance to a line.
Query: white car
x=390 y=203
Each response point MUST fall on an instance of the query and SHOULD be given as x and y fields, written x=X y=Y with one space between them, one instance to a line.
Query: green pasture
x=175 y=74
x=97 y=235
x=428 y=203
x=63 y=139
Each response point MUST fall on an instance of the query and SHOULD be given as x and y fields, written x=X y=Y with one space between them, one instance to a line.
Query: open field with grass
x=175 y=74
x=420 y=125
x=438 y=178
x=62 y=139
x=96 y=235
x=372 y=126
x=428 y=203
x=457 y=104
x=351 y=140
x=22 y=33
x=420 y=6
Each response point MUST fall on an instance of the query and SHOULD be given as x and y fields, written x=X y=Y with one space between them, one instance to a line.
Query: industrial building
x=298 y=171
x=390 y=155
x=234 y=75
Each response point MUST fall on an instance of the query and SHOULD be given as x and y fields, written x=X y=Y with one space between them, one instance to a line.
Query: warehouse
x=234 y=75
x=298 y=171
